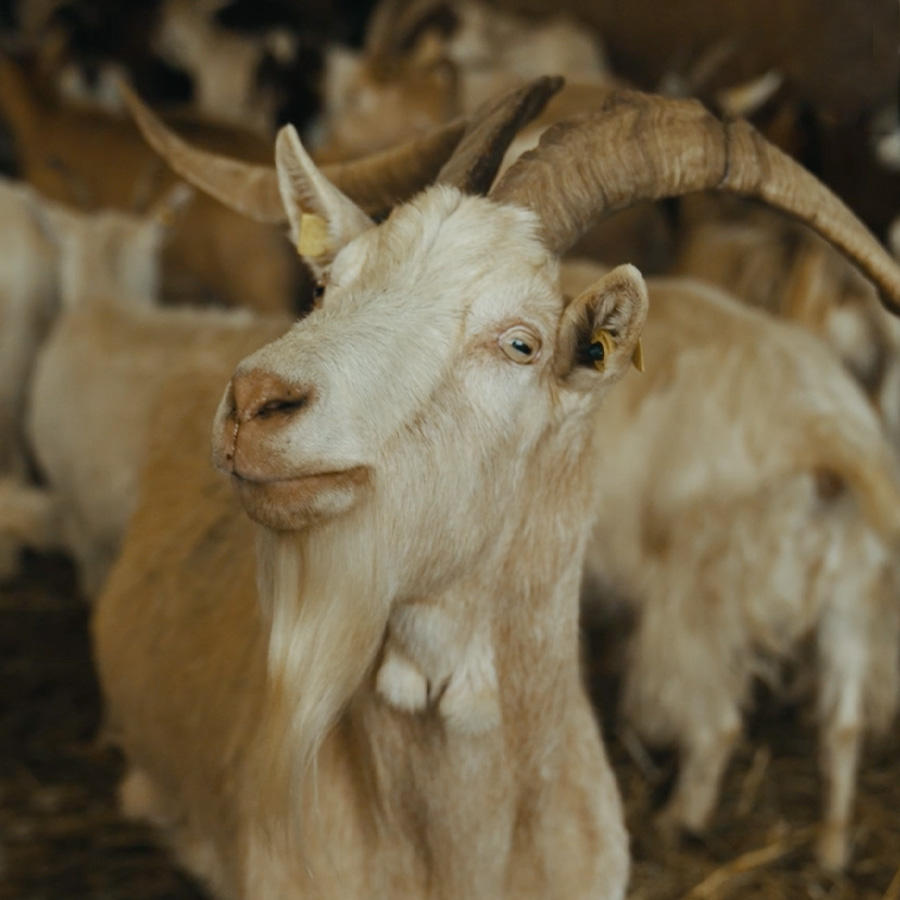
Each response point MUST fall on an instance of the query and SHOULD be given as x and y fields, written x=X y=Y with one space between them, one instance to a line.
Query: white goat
x=748 y=500
x=110 y=349
x=422 y=445
x=86 y=264
x=27 y=303
x=98 y=372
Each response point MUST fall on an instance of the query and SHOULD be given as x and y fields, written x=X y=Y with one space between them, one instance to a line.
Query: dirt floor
x=61 y=839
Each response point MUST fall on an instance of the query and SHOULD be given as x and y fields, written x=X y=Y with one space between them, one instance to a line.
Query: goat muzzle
x=257 y=407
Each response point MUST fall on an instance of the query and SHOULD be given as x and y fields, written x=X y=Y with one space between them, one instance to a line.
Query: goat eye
x=318 y=292
x=597 y=352
x=520 y=344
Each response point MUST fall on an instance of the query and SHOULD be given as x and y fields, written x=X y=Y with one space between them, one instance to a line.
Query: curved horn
x=249 y=189
x=380 y=181
x=638 y=147
x=495 y=124
x=374 y=183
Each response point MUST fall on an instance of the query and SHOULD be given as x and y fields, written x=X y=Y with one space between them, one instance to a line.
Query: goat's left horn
x=375 y=183
x=638 y=147
x=495 y=124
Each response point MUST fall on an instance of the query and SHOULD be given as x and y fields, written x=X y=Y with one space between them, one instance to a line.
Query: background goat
x=749 y=501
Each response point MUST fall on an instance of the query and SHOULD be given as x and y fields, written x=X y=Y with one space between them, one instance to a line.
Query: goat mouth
x=291 y=503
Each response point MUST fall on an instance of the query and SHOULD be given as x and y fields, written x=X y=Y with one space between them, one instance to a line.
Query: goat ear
x=322 y=219
x=600 y=331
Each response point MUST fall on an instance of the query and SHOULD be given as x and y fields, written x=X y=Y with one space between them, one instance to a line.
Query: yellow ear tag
x=604 y=339
x=314 y=239
x=637 y=358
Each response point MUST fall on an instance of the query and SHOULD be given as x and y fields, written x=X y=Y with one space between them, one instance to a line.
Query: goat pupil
x=521 y=347
x=597 y=352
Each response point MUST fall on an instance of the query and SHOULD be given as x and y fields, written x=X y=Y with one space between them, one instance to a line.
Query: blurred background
x=818 y=77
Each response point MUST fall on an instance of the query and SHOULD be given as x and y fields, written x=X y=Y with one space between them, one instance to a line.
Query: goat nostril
x=283 y=406
x=262 y=395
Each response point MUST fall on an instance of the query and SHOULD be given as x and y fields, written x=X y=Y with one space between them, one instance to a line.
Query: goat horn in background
x=246 y=188
x=375 y=182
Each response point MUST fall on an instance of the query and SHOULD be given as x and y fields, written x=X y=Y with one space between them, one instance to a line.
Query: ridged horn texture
x=495 y=124
x=375 y=183
x=249 y=189
x=637 y=147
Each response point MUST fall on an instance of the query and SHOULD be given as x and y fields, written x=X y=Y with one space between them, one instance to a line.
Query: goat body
x=780 y=266
x=539 y=816
x=28 y=301
x=93 y=379
x=91 y=402
x=749 y=500
x=420 y=449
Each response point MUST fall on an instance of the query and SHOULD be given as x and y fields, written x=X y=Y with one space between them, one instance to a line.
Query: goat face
x=413 y=363
x=441 y=355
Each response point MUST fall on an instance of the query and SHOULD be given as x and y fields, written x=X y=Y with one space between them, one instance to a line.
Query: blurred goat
x=749 y=501
x=778 y=265
x=97 y=373
x=424 y=62
x=28 y=302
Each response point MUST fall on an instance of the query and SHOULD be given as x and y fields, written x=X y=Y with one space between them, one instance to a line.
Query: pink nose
x=261 y=404
x=262 y=395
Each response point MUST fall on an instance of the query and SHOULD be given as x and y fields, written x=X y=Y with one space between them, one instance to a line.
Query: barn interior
x=819 y=81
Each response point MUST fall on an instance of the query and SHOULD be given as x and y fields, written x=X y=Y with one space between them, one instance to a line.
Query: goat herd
x=340 y=651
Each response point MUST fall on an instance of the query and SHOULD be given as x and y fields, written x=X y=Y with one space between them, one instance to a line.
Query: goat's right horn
x=638 y=147
x=375 y=183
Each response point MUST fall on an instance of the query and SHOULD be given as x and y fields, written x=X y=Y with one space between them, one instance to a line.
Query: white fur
x=28 y=301
x=96 y=376
x=454 y=566
x=712 y=521
x=765 y=260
